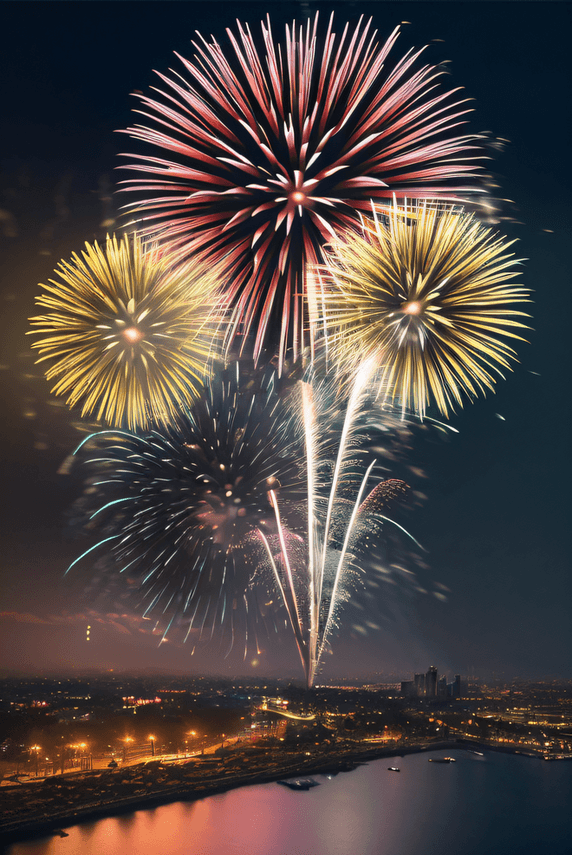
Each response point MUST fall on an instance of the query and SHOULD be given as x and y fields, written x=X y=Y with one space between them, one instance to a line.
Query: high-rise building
x=457 y=687
x=419 y=680
x=431 y=682
x=442 y=687
x=408 y=689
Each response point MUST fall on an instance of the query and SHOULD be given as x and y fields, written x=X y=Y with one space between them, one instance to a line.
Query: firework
x=255 y=497
x=179 y=508
x=262 y=160
x=427 y=292
x=321 y=548
x=129 y=333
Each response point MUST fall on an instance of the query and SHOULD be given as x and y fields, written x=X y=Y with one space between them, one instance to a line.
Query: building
x=431 y=682
x=430 y=685
x=408 y=689
x=457 y=689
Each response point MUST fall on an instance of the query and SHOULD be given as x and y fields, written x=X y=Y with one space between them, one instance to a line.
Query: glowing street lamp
x=152 y=741
x=37 y=749
x=192 y=733
x=84 y=762
x=127 y=740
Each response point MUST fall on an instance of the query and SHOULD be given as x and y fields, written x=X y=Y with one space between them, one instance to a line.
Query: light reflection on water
x=498 y=805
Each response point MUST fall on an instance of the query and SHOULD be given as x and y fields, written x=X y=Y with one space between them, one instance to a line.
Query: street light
x=36 y=748
x=152 y=741
x=126 y=740
x=192 y=733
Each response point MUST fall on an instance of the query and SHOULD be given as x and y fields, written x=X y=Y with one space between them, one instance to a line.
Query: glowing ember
x=132 y=334
x=413 y=308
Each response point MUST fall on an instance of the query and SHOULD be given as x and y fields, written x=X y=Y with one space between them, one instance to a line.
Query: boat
x=441 y=760
x=478 y=753
x=393 y=769
x=300 y=783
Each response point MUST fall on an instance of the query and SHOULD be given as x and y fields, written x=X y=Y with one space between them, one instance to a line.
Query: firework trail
x=130 y=334
x=262 y=159
x=315 y=555
x=425 y=291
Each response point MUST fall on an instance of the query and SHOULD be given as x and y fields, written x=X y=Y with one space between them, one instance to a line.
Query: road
x=100 y=763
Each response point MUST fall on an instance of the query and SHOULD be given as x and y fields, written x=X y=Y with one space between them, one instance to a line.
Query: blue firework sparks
x=177 y=508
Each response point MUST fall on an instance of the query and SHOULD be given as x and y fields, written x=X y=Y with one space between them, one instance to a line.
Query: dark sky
x=496 y=523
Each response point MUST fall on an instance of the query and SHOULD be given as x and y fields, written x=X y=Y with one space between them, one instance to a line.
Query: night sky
x=496 y=521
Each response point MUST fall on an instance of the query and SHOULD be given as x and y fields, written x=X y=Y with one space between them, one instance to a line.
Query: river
x=498 y=804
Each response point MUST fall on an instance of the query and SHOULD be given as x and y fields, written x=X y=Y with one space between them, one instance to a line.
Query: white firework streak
x=310 y=603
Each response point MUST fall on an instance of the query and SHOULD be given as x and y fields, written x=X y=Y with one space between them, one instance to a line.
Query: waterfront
x=498 y=804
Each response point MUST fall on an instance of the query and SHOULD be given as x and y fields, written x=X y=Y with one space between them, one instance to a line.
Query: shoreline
x=47 y=825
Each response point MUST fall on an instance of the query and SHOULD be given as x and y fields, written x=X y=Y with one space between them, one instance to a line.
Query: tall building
x=457 y=687
x=431 y=682
x=442 y=687
x=419 y=681
x=408 y=689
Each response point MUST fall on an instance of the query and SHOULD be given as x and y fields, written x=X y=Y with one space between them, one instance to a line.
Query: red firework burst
x=271 y=156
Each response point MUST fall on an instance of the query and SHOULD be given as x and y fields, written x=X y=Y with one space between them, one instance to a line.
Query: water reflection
x=428 y=809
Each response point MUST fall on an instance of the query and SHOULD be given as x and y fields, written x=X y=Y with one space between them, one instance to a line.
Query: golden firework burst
x=130 y=332
x=428 y=290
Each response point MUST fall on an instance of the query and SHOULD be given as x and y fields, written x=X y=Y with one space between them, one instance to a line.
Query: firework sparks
x=427 y=292
x=129 y=333
x=247 y=495
x=317 y=552
x=178 y=508
x=266 y=159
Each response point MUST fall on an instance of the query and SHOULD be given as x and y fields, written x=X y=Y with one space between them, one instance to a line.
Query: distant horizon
x=373 y=676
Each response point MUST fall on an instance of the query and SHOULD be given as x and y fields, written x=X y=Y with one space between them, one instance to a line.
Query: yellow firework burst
x=428 y=290
x=129 y=332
